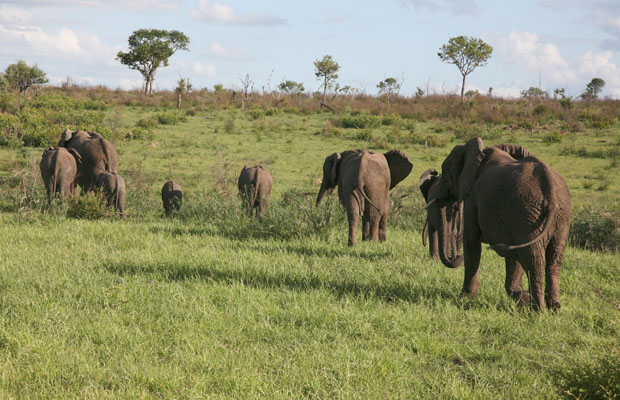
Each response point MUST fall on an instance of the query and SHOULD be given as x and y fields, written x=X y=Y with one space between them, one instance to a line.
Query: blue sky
x=554 y=43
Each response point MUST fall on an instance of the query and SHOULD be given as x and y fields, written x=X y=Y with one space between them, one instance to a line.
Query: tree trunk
x=324 y=88
x=146 y=86
x=463 y=87
x=178 y=100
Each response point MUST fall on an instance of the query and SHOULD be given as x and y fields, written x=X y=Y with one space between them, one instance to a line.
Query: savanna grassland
x=212 y=304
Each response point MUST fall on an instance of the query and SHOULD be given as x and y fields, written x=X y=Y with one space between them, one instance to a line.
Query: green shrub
x=361 y=121
x=553 y=137
x=170 y=118
x=364 y=134
x=596 y=228
x=149 y=122
x=256 y=114
x=388 y=120
x=90 y=206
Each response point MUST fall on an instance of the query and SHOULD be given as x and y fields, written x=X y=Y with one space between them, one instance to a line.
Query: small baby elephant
x=59 y=169
x=113 y=186
x=254 y=187
x=172 y=196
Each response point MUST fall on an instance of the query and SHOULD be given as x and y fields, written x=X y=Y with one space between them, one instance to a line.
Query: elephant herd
x=502 y=195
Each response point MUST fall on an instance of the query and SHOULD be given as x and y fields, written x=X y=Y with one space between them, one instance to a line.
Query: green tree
x=326 y=69
x=534 y=93
x=183 y=86
x=467 y=53
x=593 y=89
x=291 y=87
x=150 y=49
x=389 y=86
x=21 y=76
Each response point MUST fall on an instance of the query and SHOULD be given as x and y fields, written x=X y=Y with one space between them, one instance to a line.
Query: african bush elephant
x=364 y=179
x=172 y=197
x=59 y=168
x=113 y=186
x=98 y=155
x=441 y=215
x=255 y=185
x=517 y=204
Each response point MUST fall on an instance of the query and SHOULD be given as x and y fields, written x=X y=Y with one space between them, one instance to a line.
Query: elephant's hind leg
x=554 y=254
x=536 y=276
x=353 y=216
x=513 y=284
x=366 y=224
x=383 y=227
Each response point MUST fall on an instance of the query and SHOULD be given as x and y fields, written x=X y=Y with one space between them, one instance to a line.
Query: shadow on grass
x=387 y=292
x=366 y=253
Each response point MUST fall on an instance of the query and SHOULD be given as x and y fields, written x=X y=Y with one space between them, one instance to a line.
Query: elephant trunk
x=448 y=242
x=322 y=192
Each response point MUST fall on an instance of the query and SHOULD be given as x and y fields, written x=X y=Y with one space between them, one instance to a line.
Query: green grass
x=211 y=304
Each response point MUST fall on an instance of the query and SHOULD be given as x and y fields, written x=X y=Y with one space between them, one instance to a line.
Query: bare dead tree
x=246 y=82
x=276 y=95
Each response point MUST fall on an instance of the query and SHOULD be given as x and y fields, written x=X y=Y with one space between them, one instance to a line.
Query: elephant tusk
x=428 y=204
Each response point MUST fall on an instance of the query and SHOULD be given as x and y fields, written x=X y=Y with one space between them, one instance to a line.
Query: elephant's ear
x=517 y=152
x=400 y=166
x=473 y=156
x=76 y=155
x=66 y=136
x=334 y=161
x=426 y=181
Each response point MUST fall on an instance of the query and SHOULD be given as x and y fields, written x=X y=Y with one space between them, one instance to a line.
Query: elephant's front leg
x=472 y=250
x=513 y=285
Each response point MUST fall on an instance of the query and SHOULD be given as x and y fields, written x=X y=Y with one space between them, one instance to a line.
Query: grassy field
x=211 y=304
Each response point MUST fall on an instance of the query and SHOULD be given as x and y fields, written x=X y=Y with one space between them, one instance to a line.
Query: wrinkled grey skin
x=172 y=197
x=442 y=218
x=98 y=155
x=517 y=204
x=113 y=186
x=255 y=185
x=364 y=179
x=59 y=168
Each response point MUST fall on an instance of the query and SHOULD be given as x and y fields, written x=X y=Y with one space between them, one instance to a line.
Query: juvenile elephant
x=364 y=179
x=113 y=186
x=98 y=155
x=59 y=168
x=442 y=216
x=255 y=185
x=517 y=204
x=172 y=197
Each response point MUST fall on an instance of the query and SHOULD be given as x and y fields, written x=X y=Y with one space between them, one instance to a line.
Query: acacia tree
x=390 y=87
x=21 y=76
x=593 y=89
x=326 y=69
x=150 y=49
x=467 y=53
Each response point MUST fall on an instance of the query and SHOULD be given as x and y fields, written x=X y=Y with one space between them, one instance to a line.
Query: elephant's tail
x=425 y=233
x=367 y=199
x=550 y=211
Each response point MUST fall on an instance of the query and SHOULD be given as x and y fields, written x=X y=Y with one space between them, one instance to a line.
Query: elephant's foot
x=552 y=302
x=522 y=298
x=469 y=292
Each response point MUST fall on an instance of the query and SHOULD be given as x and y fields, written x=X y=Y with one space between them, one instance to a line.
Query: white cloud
x=196 y=68
x=457 y=7
x=525 y=50
x=15 y=15
x=171 y=5
x=218 y=13
x=218 y=50
x=33 y=40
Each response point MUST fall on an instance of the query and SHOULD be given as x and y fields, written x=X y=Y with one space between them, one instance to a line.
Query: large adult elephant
x=98 y=155
x=517 y=204
x=59 y=168
x=443 y=215
x=364 y=179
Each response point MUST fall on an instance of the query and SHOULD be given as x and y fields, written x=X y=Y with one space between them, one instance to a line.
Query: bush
x=596 y=229
x=361 y=121
x=552 y=137
x=90 y=206
x=170 y=118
